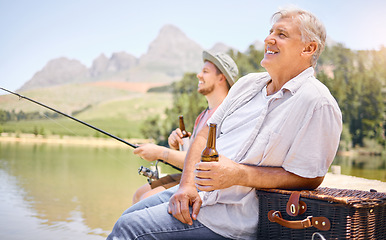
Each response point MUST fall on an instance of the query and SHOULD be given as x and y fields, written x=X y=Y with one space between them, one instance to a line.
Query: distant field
x=73 y=97
x=131 y=86
x=66 y=127
x=118 y=111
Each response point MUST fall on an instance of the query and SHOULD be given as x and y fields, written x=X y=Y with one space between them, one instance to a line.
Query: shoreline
x=69 y=140
x=332 y=180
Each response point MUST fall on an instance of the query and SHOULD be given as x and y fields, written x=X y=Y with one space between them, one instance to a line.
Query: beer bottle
x=185 y=135
x=210 y=154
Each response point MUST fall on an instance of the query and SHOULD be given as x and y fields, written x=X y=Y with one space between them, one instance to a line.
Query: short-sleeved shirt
x=201 y=120
x=298 y=129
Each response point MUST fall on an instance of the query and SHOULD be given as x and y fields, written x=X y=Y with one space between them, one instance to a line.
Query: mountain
x=118 y=62
x=173 y=52
x=56 y=72
x=99 y=66
x=221 y=47
x=168 y=57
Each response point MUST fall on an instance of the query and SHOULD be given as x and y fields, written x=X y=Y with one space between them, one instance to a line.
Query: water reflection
x=365 y=166
x=77 y=190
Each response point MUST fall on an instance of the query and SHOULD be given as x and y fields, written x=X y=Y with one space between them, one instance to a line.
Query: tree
x=186 y=101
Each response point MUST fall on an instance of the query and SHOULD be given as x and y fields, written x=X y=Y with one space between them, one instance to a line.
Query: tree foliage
x=186 y=101
x=6 y=116
x=356 y=80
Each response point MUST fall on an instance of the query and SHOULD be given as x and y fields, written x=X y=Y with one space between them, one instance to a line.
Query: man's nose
x=269 y=40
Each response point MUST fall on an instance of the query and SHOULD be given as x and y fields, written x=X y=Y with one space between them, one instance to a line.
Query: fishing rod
x=84 y=123
x=75 y=119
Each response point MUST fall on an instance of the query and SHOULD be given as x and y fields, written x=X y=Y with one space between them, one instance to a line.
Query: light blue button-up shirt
x=298 y=129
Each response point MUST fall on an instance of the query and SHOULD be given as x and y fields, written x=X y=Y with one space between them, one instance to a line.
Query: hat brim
x=209 y=57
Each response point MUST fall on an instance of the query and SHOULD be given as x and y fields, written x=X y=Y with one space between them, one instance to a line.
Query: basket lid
x=345 y=196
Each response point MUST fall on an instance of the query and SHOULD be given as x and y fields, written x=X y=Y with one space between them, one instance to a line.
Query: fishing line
x=75 y=119
x=59 y=124
x=82 y=122
x=70 y=130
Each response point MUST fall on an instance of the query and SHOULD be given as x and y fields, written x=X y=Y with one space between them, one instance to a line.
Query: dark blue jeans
x=149 y=219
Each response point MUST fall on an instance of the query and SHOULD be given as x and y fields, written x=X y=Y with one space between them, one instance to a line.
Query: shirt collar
x=295 y=83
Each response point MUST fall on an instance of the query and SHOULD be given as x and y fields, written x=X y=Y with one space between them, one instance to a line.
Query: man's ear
x=310 y=48
x=223 y=78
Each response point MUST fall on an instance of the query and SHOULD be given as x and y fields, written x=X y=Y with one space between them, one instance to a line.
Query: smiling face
x=283 y=47
x=207 y=78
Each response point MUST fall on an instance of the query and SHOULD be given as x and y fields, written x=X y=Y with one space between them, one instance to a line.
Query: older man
x=278 y=129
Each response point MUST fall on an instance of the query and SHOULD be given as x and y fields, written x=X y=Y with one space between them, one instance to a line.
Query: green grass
x=68 y=127
x=122 y=117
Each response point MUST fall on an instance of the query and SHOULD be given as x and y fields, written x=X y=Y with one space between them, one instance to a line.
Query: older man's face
x=283 y=46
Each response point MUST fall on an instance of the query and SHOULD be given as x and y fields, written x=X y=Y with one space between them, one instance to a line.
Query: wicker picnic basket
x=327 y=213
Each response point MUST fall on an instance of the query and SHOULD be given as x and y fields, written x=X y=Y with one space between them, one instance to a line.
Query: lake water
x=50 y=191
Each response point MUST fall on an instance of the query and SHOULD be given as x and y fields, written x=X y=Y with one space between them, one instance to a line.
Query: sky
x=34 y=32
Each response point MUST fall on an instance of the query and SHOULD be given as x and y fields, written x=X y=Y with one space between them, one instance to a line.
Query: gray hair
x=311 y=28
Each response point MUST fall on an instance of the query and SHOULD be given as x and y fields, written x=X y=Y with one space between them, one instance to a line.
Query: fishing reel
x=147 y=172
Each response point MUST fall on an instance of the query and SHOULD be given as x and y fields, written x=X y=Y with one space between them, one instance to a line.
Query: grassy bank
x=122 y=117
x=68 y=140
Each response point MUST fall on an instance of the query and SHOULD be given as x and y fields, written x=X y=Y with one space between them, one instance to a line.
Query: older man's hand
x=179 y=204
x=210 y=176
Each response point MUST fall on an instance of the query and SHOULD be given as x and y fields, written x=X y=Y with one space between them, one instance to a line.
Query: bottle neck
x=182 y=127
x=211 y=142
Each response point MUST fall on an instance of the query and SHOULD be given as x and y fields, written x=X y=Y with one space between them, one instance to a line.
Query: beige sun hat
x=224 y=63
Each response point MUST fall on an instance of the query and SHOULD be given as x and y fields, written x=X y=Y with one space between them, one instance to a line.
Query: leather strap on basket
x=295 y=206
x=321 y=223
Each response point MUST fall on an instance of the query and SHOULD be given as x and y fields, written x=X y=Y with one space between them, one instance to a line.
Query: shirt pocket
x=275 y=151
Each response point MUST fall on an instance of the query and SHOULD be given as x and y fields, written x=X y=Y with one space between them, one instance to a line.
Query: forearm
x=273 y=177
x=194 y=156
x=173 y=157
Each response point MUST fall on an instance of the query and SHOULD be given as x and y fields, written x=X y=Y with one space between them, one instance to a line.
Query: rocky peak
x=173 y=51
x=121 y=61
x=99 y=66
x=221 y=47
x=58 y=71
x=117 y=62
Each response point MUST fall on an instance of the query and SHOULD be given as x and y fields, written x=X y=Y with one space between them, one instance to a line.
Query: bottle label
x=213 y=158
x=186 y=144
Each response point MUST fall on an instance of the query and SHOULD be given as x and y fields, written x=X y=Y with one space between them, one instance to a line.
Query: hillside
x=118 y=108
x=73 y=97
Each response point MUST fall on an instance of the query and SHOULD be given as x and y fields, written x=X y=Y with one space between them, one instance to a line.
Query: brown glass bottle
x=185 y=135
x=210 y=154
